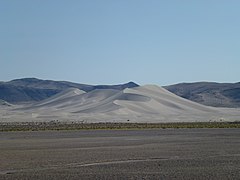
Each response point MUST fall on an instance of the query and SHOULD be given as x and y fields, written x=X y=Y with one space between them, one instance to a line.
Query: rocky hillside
x=209 y=93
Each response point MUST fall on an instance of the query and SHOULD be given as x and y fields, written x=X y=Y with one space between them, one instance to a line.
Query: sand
x=149 y=103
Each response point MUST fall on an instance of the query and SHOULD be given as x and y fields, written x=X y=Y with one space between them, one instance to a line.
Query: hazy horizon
x=112 y=42
x=116 y=82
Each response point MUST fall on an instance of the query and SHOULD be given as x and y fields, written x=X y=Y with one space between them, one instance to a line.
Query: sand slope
x=148 y=103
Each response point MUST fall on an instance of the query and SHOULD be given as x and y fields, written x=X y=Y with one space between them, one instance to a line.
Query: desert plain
x=121 y=154
x=138 y=153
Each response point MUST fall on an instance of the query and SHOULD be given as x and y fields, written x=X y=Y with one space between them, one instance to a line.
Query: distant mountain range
x=209 y=93
x=32 y=89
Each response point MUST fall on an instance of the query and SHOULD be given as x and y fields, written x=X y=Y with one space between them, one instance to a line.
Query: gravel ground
x=121 y=154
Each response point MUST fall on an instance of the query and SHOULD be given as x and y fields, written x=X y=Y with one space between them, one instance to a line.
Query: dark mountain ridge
x=209 y=93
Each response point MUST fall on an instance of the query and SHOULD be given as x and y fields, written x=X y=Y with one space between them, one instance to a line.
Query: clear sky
x=116 y=41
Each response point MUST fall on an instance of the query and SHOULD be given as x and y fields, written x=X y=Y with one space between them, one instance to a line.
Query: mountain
x=32 y=89
x=147 y=103
x=209 y=93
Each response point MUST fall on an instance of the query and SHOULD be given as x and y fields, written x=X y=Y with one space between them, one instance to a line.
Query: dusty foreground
x=121 y=154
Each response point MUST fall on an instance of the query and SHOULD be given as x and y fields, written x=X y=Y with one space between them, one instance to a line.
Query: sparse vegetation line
x=55 y=125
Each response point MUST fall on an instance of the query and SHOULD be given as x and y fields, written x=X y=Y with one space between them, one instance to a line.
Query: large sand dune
x=148 y=103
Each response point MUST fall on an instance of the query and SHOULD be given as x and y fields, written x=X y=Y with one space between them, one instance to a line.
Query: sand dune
x=96 y=101
x=65 y=97
x=163 y=101
x=148 y=103
x=4 y=103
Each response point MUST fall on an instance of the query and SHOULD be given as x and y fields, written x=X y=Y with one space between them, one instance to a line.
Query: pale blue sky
x=116 y=41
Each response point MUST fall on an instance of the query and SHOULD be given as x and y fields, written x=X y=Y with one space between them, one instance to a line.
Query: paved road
x=121 y=154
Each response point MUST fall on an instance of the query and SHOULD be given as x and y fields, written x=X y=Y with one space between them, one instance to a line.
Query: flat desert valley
x=119 y=90
x=119 y=154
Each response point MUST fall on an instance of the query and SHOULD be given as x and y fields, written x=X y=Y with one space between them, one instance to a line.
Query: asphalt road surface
x=121 y=154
